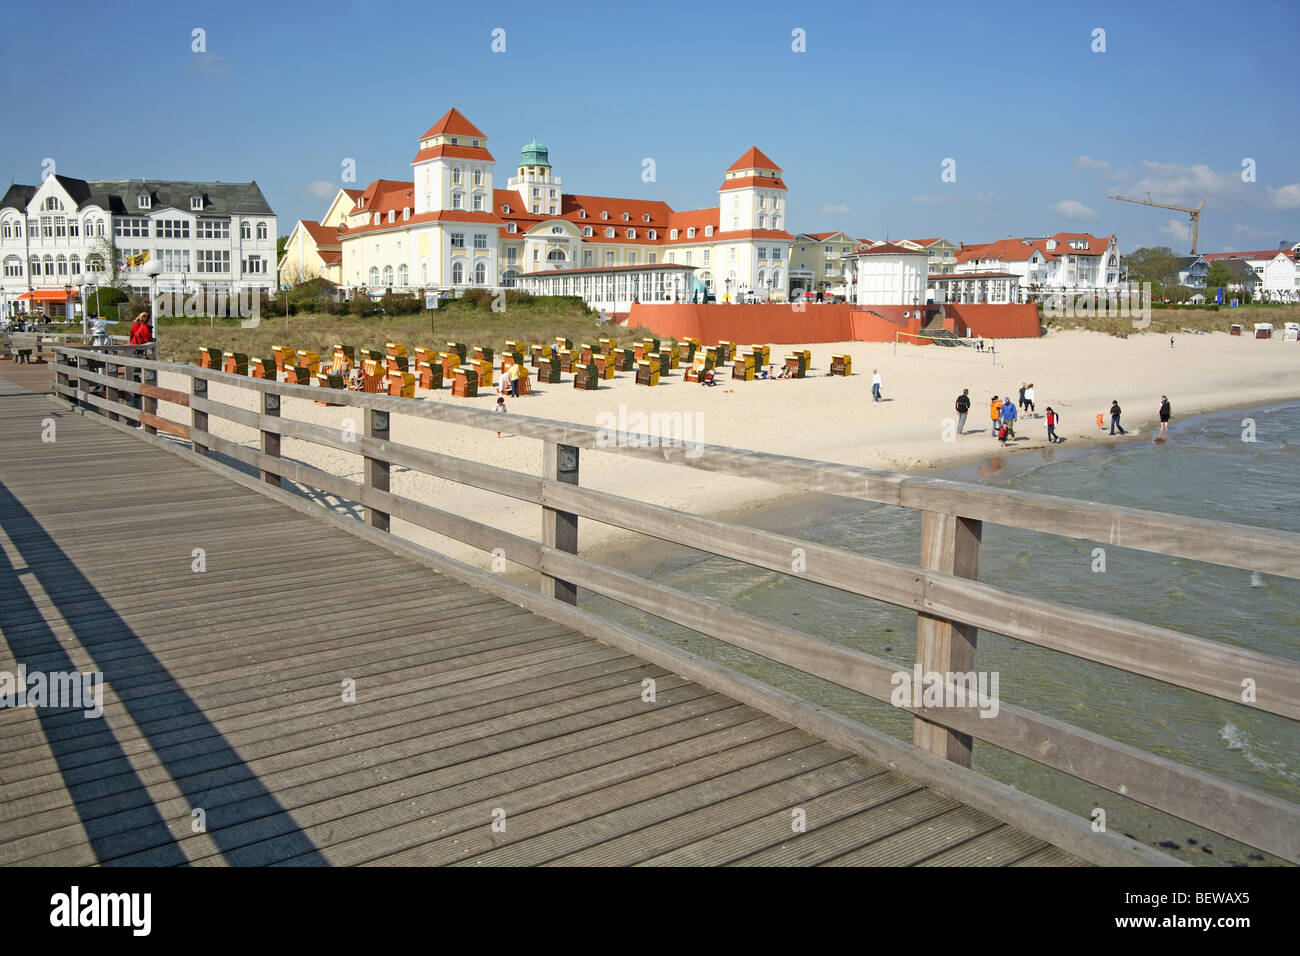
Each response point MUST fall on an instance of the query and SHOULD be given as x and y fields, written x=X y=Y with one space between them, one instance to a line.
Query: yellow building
x=817 y=261
x=315 y=249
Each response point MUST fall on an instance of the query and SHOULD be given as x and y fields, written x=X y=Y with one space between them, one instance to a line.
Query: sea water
x=1242 y=467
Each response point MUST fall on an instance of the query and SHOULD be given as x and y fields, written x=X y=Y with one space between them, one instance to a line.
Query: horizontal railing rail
x=949 y=602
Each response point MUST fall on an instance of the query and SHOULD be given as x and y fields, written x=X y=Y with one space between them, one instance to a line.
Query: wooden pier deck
x=225 y=738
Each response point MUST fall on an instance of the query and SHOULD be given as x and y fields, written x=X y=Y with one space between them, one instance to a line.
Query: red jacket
x=141 y=334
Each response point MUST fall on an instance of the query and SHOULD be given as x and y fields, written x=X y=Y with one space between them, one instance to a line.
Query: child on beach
x=1002 y=434
x=501 y=407
x=1052 y=419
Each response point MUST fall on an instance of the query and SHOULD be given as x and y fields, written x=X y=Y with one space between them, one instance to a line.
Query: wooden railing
x=950 y=603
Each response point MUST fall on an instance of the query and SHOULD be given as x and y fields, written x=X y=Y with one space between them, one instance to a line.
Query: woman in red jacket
x=141 y=334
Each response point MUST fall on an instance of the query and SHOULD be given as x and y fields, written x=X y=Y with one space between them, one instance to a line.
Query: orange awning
x=49 y=295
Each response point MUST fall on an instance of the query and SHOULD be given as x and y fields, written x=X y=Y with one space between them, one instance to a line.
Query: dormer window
x=474 y=142
x=690 y=233
x=625 y=217
x=586 y=232
x=654 y=234
x=377 y=219
x=645 y=217
x=708 y=230
x=609 y=232
x=604 y=214
x=392 y=215
x=582 y=214
x=196 y=203
x=142 y=200
x=406 y=213
x=673 y=234
x=505 y=208
x=631 y=233
x=512 y=227
x=455 y=141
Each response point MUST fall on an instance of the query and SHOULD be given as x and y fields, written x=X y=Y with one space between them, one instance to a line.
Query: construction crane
x=1194 y=213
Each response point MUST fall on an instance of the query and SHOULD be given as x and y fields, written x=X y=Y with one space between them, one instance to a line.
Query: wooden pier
x=285 y=684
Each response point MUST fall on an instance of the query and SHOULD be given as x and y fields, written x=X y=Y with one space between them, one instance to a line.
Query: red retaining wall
x=841 y=322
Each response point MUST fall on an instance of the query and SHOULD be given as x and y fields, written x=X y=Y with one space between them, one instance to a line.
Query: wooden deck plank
x=223 y=692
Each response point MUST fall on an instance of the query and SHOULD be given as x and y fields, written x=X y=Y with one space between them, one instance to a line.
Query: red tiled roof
x=330 y=257
x=321 y=235
x=1258 y=254
x=1021 y=250
x=751 y=234
x=354 y=194
x=642 y=267
x=821 y=236
x=925 y=242
x=453 y=122
x=753 y=159
x=453 y=152
x=742 y=182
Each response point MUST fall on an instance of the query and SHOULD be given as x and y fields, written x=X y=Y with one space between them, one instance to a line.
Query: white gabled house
x=1071 y=263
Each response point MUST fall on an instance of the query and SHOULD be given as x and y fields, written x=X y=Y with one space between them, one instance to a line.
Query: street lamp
x=153 y=269
x=79 y=281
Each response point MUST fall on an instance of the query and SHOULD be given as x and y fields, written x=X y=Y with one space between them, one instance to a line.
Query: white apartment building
x=1278 y=271
x=209 y=237
x=1070 y=263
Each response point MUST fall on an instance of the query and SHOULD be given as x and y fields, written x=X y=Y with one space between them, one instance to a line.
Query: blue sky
x=1039 y=125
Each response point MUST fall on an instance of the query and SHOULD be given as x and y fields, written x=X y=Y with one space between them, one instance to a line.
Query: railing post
x=148 y=405
x=61 y=375
x=376 y=469
x=560 y=528
x=82 y=404
x=112 y=394
x=270 y=439
x=198 y=419
x=951 y=545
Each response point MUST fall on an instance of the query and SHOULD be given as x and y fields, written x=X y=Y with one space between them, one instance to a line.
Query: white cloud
x=212 y=64
x=1288 y=197
x=941 y=200
x=1092 y=165
x=1241 y=231
x=835 y=209
x=321 y=189
x=1172 y=182
x=1179 y=230
x=1072 y=209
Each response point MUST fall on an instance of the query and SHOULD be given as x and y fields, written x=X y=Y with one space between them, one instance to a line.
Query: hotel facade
x=208 y=237
x=454 y=226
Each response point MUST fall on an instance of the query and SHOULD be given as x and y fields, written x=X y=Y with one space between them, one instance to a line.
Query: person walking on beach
x=1115 y=412
x=875 y=384
x=1029 y=399
x=1009 y=416
x=1021 y=400
x=1052 y=419
x=1165 y=412
x=514 y=379
x=963 y=406
x=995 y=413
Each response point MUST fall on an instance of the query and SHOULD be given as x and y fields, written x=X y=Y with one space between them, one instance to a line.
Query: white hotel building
x=209 y=238
x=1070 y=263
x=452 y=227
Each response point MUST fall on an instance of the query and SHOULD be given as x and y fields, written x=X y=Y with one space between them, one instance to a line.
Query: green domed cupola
x=534 y=154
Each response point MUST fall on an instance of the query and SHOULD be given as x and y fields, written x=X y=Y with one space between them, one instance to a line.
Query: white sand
x=821 y=417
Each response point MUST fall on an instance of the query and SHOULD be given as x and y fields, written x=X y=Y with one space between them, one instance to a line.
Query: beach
x=821 y=417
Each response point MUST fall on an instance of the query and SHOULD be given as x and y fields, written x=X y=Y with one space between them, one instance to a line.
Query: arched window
x=478 y=177
x=480 y=273
x=455 y=176
x=708 y=230
x=402 y=275
x=374 y=275
x=74 y=265
x=35 y=268
x=261 y=230
x=556 y=255
x=245 y=230
x=762 y=278
x=62 y=264
x=49 y=265
x=424 y=272
x=13 y=267
x=762 y=221
x=458 y=273
x=94 y=263
x=388 y=275
x=690 y=233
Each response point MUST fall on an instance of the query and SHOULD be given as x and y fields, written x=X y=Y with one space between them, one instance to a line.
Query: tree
x=1153 y=264
x=1219 y=276
x=280 y=243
